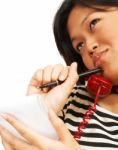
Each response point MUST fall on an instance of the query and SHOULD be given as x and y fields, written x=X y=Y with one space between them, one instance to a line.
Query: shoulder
x=80 y=93
x=79 y=97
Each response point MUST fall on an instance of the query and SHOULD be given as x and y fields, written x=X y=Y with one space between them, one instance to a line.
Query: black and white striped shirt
x=102 y=130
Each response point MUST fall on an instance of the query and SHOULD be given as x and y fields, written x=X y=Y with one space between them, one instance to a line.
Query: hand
x=35 y=141
x=56 y=97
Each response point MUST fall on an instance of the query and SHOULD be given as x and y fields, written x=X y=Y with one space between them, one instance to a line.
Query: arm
x=56 y=97
x=35 y=140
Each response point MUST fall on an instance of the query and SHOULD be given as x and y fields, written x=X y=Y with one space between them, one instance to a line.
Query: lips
x=99 y=58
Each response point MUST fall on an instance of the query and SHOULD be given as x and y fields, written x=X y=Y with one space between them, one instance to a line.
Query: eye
x=80 y=46
x=93 y=23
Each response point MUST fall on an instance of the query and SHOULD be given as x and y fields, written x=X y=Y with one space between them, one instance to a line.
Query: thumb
x=71 y=80
x=61 y=130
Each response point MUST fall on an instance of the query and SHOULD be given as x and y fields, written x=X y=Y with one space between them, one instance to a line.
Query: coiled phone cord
x=87 y=116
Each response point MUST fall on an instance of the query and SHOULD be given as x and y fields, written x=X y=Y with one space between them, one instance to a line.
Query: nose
x=92 y=48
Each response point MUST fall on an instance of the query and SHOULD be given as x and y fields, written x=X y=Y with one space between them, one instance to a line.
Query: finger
x=57 y=69
x=37 y=78
x=33 y=90
x=11 y=142
x=47 y=76
x=6 y=145
x=64 y=74
x=26 y=132
x=62 y=131
x=35 y=82
x=71 y=80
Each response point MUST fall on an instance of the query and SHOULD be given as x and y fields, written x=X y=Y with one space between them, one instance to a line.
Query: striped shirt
x=102 y=130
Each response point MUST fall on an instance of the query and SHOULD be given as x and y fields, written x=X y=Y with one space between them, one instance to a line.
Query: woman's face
x=94 y=34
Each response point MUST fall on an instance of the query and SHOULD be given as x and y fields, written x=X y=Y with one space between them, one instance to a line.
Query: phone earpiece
x=93 y=83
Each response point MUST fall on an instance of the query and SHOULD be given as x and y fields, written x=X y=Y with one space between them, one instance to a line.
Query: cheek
x=110 y=34
x=88 y=62
x=114 y=44
x=113 y=47
x=109 y=31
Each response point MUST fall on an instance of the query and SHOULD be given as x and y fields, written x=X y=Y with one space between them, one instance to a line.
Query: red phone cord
x=87 y=116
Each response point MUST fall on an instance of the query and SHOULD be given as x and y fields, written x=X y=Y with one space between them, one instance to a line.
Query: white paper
x=31 y=111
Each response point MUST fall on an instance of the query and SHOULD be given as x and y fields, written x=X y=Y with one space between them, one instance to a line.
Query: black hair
x=61 y=35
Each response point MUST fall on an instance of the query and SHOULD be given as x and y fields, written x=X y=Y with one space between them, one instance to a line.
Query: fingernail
x=74 y=63
x=61 y=78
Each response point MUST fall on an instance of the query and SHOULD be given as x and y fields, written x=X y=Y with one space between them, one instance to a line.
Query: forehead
x=76 y=17
x=79 y=13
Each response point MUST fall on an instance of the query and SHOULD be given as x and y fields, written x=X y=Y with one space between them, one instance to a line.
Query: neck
x=114 y=90
x=110 y=102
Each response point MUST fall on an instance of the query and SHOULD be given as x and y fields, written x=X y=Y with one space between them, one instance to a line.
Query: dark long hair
x=61 y=35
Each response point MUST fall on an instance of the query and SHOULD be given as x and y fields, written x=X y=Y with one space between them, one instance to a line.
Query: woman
x=85 y=32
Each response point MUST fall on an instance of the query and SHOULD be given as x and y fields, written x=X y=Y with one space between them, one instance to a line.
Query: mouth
x=99 y=58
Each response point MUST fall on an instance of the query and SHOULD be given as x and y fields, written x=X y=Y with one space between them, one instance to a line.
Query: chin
x=115 y=82
x=113 y=77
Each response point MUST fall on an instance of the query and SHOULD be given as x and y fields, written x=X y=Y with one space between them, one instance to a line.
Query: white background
x=26 y=43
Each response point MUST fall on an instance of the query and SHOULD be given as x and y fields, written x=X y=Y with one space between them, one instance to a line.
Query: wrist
x=49 y=105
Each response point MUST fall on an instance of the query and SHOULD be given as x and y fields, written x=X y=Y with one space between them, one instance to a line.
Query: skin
x=99 y=48
x=36 y=141
x=97 y=37
x=48 y=74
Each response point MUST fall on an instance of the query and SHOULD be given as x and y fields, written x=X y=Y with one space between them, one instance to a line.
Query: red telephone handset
x=100 y=87
x=95 y=81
